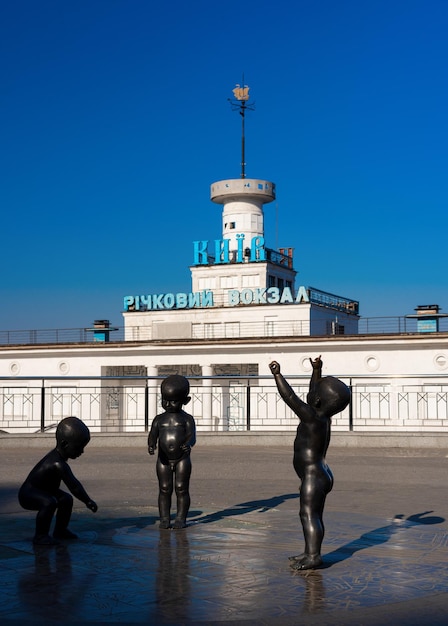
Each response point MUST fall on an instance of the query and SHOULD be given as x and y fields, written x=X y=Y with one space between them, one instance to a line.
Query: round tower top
x=223 y=191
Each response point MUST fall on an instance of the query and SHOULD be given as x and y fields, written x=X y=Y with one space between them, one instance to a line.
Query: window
x=207 y=283
x=250 y=280
x=229 y=282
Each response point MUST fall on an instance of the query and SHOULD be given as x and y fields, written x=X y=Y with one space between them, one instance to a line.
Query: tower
x=243 y=200
x=240 y=259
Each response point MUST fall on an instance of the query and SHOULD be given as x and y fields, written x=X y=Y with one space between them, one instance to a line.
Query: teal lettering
x=207 y=298
x=222 y=251
x=286 y=296
x=302 y=295
x=194 y=300
x=239 y=251
x=273 y=295
x=257 y=252
x=200 y=256
x=168 y=301
x=247 y=296
x=233 y=297
x=181 y=300
x=157 y=301
x=259 y=296
x=128 y=302
x=145 y=303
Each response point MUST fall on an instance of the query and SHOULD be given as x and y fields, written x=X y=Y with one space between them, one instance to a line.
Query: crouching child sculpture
x=41 y=490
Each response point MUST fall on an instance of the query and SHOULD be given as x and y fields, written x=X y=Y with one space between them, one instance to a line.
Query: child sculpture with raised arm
x=41 y=490
x=175 y=432
x=326 y=397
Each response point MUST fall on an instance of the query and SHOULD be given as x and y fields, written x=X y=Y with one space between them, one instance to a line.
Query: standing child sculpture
x=41 y=490
x=175 y=433
x=326 y=397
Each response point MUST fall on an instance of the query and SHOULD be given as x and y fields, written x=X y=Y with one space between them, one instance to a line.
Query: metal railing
x=58 y=335
x=393 y=325
x=291 y=328
x=125 y=404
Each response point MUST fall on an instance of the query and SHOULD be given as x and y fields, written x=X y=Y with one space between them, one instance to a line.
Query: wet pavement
x=385 y=550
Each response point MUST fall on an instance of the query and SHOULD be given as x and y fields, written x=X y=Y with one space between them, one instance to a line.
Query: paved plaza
x=385 y=550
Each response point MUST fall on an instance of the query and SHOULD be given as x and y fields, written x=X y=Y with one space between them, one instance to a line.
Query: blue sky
x=115 y=120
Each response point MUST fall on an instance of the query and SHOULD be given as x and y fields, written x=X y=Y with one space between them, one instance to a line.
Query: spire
x=241 y=103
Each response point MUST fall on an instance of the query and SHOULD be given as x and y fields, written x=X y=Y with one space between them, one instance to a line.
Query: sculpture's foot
x=307 y=562
x=179 y=523
x=44 y=540
x=164 y=524
x=64 y=534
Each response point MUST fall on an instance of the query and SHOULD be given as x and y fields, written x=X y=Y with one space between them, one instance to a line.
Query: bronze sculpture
x=326 y=397
x=41 y=490
x=175 y=432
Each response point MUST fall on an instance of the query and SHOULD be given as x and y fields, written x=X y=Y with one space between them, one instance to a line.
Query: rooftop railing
x=291 y=328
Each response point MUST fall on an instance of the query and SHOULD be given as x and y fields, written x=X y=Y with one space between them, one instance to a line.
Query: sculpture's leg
x=63 y=515
x=182 y=484
x=313 y=532
x=43 y=522
x=313 y=493
x=165 y=476
x=45 y=504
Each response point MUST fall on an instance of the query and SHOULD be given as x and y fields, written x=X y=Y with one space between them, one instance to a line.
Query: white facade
x=282 y=320
x=415 y=356
x=399 y=383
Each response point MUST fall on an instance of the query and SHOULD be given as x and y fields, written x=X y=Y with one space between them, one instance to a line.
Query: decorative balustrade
x=123 y=404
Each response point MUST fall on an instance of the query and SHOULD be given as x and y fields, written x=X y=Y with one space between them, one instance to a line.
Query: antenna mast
x=241 y=104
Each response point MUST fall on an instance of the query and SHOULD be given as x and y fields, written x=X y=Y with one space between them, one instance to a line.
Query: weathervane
x=241 y=104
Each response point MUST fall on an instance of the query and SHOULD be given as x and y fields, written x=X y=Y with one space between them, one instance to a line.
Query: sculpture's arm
x=153 y=435
x=300 y=408
x=76 y=487
x=190 y=439
x=316 y=364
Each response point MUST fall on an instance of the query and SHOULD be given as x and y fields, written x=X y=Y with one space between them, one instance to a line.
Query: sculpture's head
x=331 y=395
x=175 y=390
x=72 y=436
